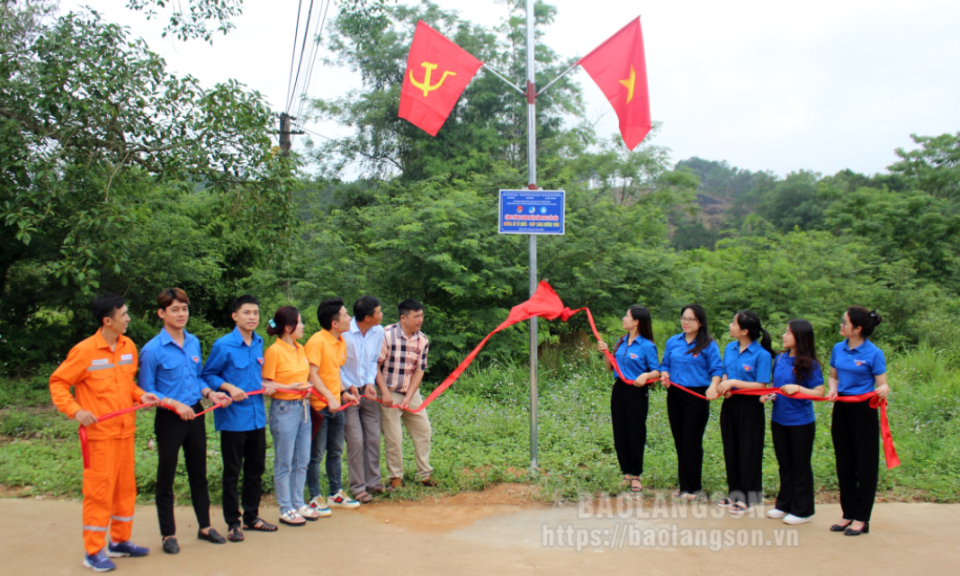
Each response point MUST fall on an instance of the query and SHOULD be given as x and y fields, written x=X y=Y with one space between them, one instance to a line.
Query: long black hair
x=865 y=319
x=703 y=335
x=750 y=322
x=644 y=323
x=804 y=347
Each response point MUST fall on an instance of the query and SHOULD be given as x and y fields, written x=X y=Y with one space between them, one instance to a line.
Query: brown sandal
x=633 y=484
x=363 y=497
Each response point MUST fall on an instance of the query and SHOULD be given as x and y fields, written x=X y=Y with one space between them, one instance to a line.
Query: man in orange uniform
x=101 y=369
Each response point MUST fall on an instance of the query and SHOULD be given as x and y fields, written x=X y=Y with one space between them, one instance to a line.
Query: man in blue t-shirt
x=234 y=367
x=170 y=367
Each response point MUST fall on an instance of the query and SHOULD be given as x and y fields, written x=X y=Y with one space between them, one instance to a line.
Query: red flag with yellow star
x=619 y=69
x=437 y=73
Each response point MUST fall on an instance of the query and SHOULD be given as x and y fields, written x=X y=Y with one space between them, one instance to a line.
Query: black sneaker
x=170 y=546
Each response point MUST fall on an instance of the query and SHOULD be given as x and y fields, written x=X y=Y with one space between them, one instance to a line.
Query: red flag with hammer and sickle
x=437 y=73
x=620 y=70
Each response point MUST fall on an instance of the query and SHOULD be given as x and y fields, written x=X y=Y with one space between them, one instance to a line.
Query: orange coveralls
x=103 y=382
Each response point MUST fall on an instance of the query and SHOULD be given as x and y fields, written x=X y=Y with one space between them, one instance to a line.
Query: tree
x=910 y=225
x=93 y=129
x=794 y=202
x=934 y=167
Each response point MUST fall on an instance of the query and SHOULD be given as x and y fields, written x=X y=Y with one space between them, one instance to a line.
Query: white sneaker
x=791 y=519
x=308 y=513
x=776 y=514
x=341 y=500
x=319 y=505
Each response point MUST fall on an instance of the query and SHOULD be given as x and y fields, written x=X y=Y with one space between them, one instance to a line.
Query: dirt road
x=502 y=532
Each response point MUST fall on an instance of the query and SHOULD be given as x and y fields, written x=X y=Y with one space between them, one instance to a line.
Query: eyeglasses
x=843 y=321
x=684 y=320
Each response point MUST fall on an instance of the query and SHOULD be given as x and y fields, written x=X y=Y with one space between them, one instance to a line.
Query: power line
x=306 y=33
x=293 y=55
x=307 y=85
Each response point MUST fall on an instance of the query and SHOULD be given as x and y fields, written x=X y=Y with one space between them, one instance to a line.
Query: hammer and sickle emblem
x=425 y=85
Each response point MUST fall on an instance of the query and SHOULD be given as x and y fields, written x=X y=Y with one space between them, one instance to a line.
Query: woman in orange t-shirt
x=285 y=370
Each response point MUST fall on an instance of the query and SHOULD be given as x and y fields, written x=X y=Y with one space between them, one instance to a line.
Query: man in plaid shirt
x=403 y=360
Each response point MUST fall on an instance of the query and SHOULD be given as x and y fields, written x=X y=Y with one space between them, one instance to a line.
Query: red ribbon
x=84 y=446
x=545 y=303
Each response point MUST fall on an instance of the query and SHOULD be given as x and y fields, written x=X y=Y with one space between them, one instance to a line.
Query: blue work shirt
x=793 y=411
x=637 y=358
x=686 y=369
x=857 y=368
x=233 y=361
x=170 y=371
x=363 y=356
x=751 y=365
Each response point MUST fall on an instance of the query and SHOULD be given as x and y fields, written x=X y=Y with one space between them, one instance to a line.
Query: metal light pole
x=532 y=181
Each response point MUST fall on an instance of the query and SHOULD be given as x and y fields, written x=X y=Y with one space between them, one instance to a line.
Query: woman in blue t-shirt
x=793 y=424
x=636 y=356
x=692 y=360
x=746 y=365
x=856 y=367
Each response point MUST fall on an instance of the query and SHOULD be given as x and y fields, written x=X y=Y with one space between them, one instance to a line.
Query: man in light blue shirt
x=358 y=377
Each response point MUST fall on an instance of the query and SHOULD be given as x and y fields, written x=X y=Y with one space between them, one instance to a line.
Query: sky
x=819 y=85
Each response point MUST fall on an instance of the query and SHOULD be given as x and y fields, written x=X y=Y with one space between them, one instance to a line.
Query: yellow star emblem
x=629 y=82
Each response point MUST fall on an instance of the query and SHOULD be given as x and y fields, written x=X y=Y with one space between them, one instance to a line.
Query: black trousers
x=742 y=428
x=856 y=444
x=628 y=411
x=246 y=450
x=793 y=446
x=173 y=433
x=688 y=417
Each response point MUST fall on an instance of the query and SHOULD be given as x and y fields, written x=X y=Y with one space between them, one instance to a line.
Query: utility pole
x=532 y=184
x=285 y=132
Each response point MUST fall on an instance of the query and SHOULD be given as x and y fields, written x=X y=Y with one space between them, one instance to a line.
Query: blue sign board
x=532 y=211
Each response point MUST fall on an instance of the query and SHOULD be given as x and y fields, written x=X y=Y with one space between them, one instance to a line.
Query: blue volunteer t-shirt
x=170 y=371
x=857 y=368
x=232 y=361
x=636 y=358
x=751 y=365
x=793 y=411
x=689 y=370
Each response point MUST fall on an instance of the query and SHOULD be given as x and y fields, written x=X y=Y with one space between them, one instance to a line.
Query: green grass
x=481 y=436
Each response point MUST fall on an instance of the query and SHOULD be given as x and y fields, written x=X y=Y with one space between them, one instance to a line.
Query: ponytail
x=766 y=342
x=865 y=319
x=286 y=317
x=750 y=322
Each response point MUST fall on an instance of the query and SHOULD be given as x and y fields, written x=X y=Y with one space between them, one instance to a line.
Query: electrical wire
x=293 y=56
x=306 y=34
x=309 y=79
